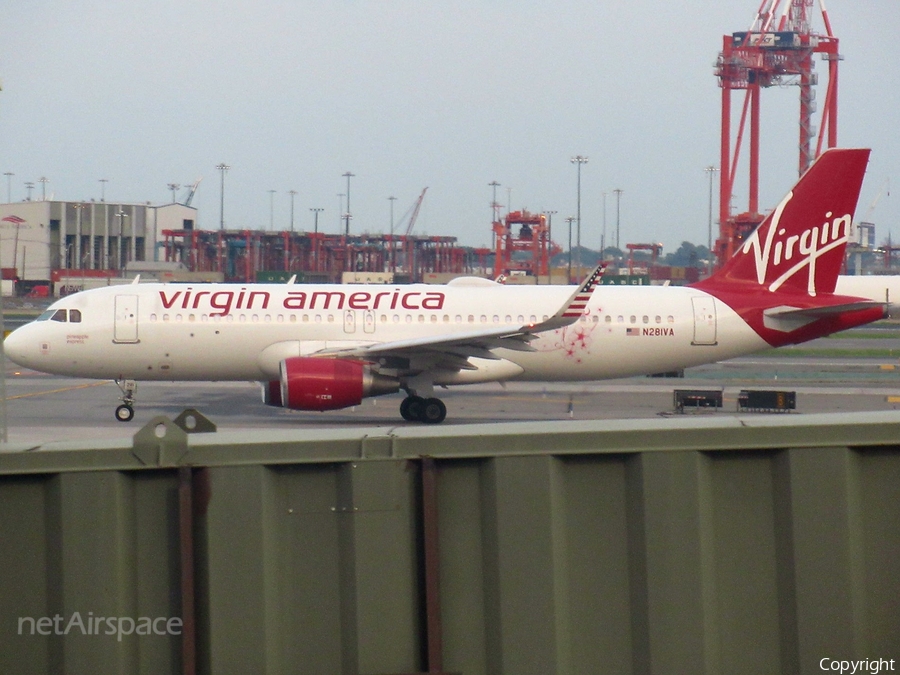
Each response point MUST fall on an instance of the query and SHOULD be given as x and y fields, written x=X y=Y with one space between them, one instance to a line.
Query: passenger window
x=75 y=316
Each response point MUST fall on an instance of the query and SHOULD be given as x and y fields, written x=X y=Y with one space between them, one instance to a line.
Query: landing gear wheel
x=433 y=411
x=411 y=408
x=124 y=413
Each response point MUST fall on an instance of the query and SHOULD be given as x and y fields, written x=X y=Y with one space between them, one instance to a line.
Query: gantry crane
x=777 y=50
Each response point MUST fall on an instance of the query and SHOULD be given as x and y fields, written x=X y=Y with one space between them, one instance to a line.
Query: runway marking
x=58 y=391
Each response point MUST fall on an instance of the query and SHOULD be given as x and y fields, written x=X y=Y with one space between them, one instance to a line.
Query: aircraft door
x=350 y=321
x=126 y=319
x=704 y=320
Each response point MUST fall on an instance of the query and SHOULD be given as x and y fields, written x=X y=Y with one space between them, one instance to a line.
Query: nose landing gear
x=125 y=412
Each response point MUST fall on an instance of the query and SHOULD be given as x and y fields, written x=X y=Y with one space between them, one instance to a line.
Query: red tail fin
x=799 y=247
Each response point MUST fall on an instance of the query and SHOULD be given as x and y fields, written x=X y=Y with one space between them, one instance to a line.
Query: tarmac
x=857 y=372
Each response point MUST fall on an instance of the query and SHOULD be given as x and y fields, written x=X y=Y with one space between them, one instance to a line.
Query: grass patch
x=866 y=335
x=833 y=353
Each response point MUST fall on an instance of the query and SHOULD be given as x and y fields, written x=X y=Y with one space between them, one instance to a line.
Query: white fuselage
x=234 y=332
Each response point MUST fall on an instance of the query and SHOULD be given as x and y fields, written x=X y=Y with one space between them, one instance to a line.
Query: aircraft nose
x=16 y=345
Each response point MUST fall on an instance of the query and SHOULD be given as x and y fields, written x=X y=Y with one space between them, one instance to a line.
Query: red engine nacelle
x=308 y=383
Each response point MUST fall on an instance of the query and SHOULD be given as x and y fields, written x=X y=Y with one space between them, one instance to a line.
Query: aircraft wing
x=454 y=349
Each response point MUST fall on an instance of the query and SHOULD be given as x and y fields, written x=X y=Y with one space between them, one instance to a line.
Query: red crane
x=777 y=50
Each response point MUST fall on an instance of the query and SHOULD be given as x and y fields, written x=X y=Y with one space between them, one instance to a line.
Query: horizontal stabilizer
x=786 y=318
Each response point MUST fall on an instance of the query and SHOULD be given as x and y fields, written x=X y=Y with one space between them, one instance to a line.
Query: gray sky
x=414 y=93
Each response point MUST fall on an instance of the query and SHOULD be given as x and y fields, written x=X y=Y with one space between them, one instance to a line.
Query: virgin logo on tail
x=799 y=247
x=781 y=249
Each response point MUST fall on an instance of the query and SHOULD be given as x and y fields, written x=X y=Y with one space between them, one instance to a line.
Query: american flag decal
x=579 y=302
x=633 y=332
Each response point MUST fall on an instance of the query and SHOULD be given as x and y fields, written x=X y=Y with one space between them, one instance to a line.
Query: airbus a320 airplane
x=324 y=347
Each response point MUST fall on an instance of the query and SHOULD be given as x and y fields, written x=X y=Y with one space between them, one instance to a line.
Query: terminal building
x=40 y=241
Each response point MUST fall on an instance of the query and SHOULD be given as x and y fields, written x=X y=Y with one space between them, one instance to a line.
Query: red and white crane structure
x=777 y=51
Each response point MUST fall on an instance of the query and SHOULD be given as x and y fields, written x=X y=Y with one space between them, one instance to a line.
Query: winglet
x=574 y=307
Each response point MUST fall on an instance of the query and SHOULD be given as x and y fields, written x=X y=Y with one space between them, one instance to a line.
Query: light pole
x=121 y=215
x=174 y=188
x=348 y=176
x=578 y=160
x=711 y=170
x=222 y=168
x=340 y=210
x=618 y=192
x=392 y=199
x=29 y=186
x=570 y=220
x=549 y=215
x=78 y=209
x=316 y=212
x=103 y=182
x=9 y=175
x=43 y=180
x=271 y=210
x=292 y=193
x=603 y=233
x=495 y=207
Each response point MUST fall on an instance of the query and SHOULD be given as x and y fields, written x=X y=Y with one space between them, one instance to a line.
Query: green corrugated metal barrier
x=700 y=545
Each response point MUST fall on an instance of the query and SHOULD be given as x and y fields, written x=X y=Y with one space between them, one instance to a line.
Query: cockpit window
x=61 y=315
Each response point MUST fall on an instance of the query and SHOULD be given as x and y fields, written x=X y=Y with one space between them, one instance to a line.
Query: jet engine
x=309 y=383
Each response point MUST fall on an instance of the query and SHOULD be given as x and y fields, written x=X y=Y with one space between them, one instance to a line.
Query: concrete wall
x=694 y=545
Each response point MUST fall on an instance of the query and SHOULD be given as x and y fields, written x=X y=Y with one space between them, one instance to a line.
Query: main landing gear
x=125 y=412
x=418 y=409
